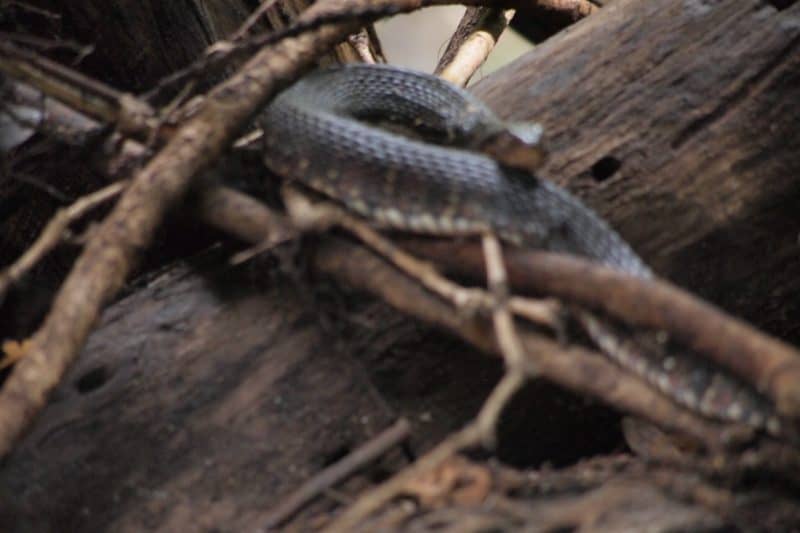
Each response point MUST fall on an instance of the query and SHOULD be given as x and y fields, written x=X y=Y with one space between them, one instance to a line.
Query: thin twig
x=377 y=497
x=43 y=186
x=242 y=216
x=772 y=366
x=252 y=20
x=360 y=41
x=472 y=42
x=80 y=50
x=576 y=9
x=366 y=12
x=576 y=368
x=76 y=90
x=323 y=215
x=36 y=10
x=338 y=472
x=507 y=340
x=54 y=232
x=489 y=415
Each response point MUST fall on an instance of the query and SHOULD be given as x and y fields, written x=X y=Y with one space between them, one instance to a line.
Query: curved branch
x=771 y=365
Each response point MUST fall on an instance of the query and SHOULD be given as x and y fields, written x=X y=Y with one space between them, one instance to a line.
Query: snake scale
x=324 y=133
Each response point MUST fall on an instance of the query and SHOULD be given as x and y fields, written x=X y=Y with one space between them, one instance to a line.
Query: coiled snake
x=322 y=132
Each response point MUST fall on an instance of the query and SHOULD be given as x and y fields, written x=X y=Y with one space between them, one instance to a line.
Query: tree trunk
x=678 y=122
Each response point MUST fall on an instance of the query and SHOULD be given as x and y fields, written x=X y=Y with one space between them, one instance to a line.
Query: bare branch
x=54 y=232
x=472 y=42
x=771 y=365
x=338 y=472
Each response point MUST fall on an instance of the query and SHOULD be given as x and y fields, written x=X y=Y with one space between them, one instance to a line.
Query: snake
x=411 y=152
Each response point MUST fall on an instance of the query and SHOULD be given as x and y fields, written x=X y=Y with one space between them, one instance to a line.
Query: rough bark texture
x=150 y=39
x=169 y=423
x=677 y=121
x=204 y=396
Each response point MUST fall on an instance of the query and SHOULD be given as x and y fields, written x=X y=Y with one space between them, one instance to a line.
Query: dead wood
x=183 y=427
x=472 y=42
x=596 y=128
x=680 y=129
x=772 y=366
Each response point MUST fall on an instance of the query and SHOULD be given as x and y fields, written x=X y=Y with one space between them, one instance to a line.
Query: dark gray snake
x=322 y=132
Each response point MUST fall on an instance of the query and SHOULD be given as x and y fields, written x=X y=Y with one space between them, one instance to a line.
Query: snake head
x=517 y=145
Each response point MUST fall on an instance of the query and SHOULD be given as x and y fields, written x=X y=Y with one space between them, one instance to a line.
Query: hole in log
x=780 y=5
x=92 y=380
x=605 y=167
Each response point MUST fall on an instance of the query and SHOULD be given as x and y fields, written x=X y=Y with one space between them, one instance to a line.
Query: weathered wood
x=197 y=404
x=678 y=121
x=200 y=400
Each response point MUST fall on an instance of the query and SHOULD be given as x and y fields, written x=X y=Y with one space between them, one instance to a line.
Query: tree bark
x=207 y=393
x=678 y=122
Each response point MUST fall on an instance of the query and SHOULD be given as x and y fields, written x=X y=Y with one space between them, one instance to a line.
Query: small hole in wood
x=780 y=5
x=605 y=167
x=92 y=380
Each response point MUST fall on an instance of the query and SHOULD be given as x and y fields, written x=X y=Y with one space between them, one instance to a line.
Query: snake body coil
x=320 y=133
x=312 y=134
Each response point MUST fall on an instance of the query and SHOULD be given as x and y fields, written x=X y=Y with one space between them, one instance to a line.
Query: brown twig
x=252 y=20
x=100 y=101
x=54 y=232
x=577 y=9
x=771 y=365
x=72 y=127
x=35 y=10
x=240 y=215
x=323 y=215
x=363 y=44
x=573 y=367
x=395 y=486
x=507 y=341
x=365 y=12
x=338 y=472
x=39 y=43
x=472 y=42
